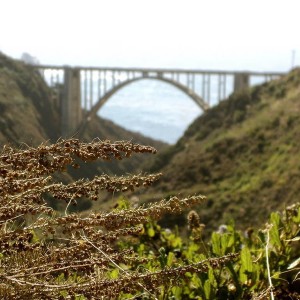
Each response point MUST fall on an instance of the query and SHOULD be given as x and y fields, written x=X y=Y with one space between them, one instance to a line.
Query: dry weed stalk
x=47 y=255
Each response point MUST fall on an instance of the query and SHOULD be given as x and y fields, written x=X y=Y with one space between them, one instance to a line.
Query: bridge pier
x=241 y=81
x=71 y=105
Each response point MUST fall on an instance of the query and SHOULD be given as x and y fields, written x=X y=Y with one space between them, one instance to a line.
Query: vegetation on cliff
x=242 y=154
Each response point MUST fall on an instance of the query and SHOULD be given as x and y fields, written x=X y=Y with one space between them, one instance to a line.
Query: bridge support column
x=241 y=81
x=71 y=105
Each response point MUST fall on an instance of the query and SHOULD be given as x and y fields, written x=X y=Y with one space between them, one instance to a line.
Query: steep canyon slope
x=242 y=154
x=29 y=114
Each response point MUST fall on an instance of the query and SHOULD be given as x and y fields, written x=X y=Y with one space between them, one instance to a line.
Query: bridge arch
x=190 y=93
x=72 y=118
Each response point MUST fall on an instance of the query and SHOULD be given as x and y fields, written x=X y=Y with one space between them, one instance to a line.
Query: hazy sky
x=211 y=34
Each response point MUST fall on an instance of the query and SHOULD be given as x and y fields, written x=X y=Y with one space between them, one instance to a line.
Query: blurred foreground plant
x=124 y=253
x=51 y=255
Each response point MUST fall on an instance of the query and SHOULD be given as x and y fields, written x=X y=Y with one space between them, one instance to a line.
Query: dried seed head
x=193 y=220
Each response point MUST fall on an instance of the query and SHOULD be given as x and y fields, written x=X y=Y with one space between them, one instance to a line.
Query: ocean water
x=160 y=110
x=153 y=108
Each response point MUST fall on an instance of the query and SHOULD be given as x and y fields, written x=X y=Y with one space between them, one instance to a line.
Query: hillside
x=29 y=114
x=242 y=154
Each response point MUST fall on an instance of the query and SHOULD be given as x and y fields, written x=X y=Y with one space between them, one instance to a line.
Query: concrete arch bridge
x=87 y=89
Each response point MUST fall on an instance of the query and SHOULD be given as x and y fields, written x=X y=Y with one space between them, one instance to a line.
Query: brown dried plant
x=45 y=254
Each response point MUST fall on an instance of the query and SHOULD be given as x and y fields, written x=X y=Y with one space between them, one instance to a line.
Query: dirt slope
x=29 y=113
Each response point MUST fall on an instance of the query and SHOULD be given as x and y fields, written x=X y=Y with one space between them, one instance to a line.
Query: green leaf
x=190 y=252
x=195 y=281
x=151 y=232
x=163 y=258
x=176 y=242
x=114 y=274
x=274 y=231
x=63 y=293
x=225 y=239
x=60 y=278
x=177 y=292
x=276 y=275
x=215 y=240
x=211 y=278
x=230 y=241
x=170 y=259
x=246 y=259
x=207 y=289
x=246 y=265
